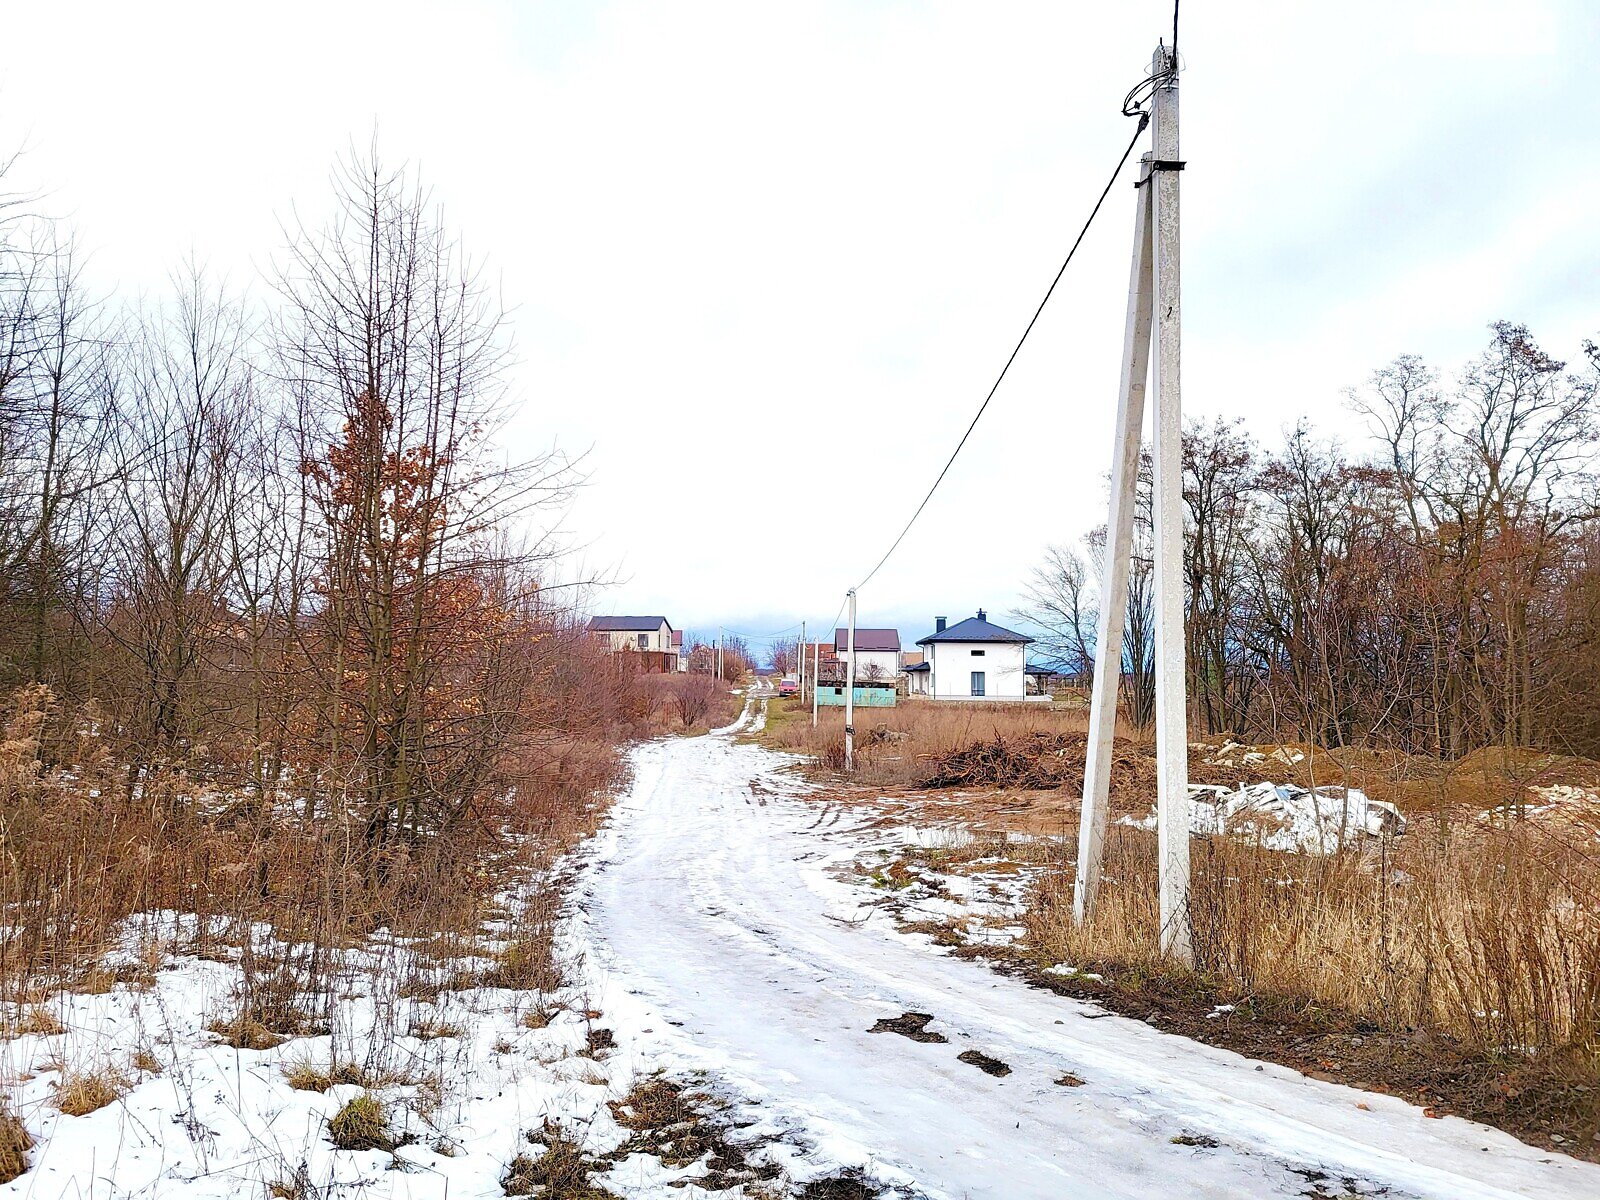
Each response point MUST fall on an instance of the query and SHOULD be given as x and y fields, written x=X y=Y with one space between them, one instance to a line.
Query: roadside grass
x=782 y=713
x=901 y=745
x=1458 y=968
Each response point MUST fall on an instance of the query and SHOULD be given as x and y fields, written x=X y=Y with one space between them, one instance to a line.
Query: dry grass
x=362 y=1124
x=432 y=1028
x=561 y=1171
x=15 y=1142
x=81 y=1092
x=1489 y=938
x=144 y=1059
x=38 y=1021
x=83 y=854
x=901 y=745
x=306 y=1075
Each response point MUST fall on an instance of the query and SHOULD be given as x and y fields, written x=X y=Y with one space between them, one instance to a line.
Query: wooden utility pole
x=850 y=689
x=1153 y=299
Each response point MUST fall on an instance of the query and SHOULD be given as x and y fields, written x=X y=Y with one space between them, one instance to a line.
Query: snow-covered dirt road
x=716 y=911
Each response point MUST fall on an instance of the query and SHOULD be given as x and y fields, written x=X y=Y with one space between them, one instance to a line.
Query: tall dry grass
x=1490 y=936
x=897 y=746
x=81 y=851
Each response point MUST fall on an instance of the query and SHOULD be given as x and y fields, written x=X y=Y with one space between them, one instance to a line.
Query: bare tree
x=179 y=448
x=394 y=350
x=785 y=653
x=1059 y=603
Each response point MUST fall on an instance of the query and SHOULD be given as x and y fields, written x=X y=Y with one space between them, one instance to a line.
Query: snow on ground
x=463 y=1077
x=724 y=930
x=718 y=905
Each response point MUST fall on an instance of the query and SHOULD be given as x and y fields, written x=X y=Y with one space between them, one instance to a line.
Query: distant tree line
x=1436 y=589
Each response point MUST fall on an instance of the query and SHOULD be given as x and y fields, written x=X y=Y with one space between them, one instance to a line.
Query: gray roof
x=868 y=639
x=975 y=629
x=627 y=624
x=921 y=666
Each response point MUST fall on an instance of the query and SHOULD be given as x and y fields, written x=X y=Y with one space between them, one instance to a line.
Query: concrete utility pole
x=816 y=669
x=800 y=661
x=1153 y=299
x=850 y=689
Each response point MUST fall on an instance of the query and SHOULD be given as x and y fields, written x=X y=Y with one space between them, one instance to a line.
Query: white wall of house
x=1002 y=664
x=656 y=640
x=917 y=682
x=887 y=663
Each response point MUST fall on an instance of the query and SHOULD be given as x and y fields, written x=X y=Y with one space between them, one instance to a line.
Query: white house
x=650 y=634
x=877 y=653
x=971 y=660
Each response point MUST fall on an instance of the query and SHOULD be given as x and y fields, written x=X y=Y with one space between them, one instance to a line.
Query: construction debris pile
x=1282 y=816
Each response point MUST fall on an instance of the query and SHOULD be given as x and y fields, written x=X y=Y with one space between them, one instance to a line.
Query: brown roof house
x=877 y=653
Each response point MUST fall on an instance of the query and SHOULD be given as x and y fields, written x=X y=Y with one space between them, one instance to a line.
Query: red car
x=788 y=687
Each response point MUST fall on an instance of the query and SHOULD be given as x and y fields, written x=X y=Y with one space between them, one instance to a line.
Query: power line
x=1094 y=212
x=760 y=637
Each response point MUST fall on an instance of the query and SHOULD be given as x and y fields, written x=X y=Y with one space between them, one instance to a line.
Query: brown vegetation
x=560 y=1170
x=80 y=1092
x=1456 y=967
x=905 y=744
x=268 y=650
x=361 y=1124
x=15 y=1142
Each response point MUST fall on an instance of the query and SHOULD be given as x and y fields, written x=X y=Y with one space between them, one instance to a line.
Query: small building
x=877 y=653
x=680 y=650
x=971 y=660
x=865 y=695
x=650 y=636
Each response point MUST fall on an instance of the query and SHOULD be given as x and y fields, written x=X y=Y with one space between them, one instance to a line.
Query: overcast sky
x=766 y=259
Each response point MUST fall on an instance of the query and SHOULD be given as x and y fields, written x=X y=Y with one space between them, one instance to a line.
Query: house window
x=977 y=654
x=977 y=683
x=644 y=641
